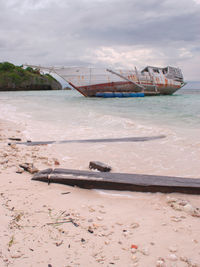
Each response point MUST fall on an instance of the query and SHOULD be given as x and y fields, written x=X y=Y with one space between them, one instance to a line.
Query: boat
x=104 y=82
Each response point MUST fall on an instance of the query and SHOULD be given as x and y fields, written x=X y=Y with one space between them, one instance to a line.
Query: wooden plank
x=103 y=140
x=120 y=181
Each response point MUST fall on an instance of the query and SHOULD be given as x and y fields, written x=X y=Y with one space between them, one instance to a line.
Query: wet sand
x=58 y=225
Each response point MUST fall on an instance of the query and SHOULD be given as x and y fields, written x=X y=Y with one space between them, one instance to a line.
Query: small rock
x=134 y=258
x=90 y=230
x=59 y=243
x=134 y=225
x=172 y=249
x=91 y=209
x=160 y=263
x=145 y=251
x=102 y=211
x=133 y=250
x=99 y=218
x=56 y=162
x=172 y=257
x=176 y=219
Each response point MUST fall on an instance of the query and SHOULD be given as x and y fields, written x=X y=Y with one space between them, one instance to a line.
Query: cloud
x=101 y=32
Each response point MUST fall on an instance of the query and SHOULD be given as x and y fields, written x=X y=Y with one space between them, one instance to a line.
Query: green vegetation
x=18 y=78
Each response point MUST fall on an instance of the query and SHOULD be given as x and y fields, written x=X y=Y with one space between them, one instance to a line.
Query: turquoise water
x=67 y=110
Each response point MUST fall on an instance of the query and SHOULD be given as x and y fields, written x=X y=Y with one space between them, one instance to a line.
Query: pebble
x=189 y=209
x=175 y=219
x=145 y=251
x=160 y=263
x=172 y=249
x=134 y=225
x=134 y=258
x=172 y=257
x=91 y=209
x=99 y=218
x=102 y=211
x=134 y=250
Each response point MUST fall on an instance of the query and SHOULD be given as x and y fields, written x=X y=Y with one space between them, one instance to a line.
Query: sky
x=102 y=33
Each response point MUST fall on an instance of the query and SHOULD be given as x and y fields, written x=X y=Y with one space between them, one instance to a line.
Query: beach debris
x=17 y=255
x=65 y=193
x=134 y=246
x=19 y=170
x=15 y=139
x=59 y=243
x=11 y=242
x=172 y=257
x=29 y=167
x=90 y=230
x=73 y=222
x=120 y=181
x=56 y=162
x=183 y=205
x=97 y=165
x=189 y=262
x=160 y=263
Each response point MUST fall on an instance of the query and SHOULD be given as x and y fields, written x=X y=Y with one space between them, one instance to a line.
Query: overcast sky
x=114 y=33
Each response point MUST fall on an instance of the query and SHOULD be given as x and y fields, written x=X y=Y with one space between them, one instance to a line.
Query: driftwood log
x=103 y=140
x=119 y=181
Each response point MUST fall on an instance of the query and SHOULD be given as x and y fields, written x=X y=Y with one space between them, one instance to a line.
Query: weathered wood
x=120 y=181
x=104 y=140
x=15 y=139
x=100 y=166
x=29 y=167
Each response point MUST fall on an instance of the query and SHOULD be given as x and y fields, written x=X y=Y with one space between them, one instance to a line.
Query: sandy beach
x=58 y=225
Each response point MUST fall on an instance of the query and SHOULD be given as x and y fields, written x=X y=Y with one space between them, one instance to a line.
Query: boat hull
x=126 y=89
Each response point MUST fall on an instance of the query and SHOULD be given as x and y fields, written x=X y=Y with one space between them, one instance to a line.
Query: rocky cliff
x=16 y=78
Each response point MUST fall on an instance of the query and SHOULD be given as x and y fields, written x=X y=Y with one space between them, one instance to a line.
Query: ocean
x=66 y=115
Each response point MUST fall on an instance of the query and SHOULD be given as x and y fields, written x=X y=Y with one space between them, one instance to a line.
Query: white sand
x=164 y=236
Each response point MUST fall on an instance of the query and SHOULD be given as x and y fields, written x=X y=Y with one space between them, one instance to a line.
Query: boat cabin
x=168 y=72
